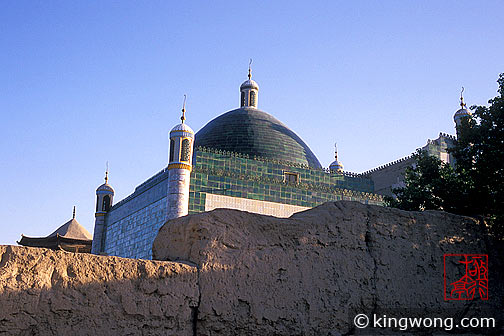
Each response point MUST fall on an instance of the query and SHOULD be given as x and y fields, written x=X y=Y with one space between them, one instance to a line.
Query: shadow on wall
x=45 y=292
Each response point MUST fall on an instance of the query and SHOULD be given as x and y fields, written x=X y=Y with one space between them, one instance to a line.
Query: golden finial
x=106 y=174
x=250 y=69
x=73 y=212
x=462 y=104
x=183 y=110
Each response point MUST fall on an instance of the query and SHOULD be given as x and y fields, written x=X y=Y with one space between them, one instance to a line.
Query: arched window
x=185 y=153
x=172 y=150
x=243 y=99
x=106 y=203
x=252 y=98
x=97 y=203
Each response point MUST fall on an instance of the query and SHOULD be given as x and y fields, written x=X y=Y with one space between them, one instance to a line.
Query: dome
x=462 y=113
x=182 y=128
x=249 y=83
x=105 y=187
x=336 y=165
x=256 y=133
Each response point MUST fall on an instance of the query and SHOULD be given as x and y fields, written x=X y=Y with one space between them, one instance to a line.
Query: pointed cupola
x=461 y=113
x=249 y=91
x=336 y=166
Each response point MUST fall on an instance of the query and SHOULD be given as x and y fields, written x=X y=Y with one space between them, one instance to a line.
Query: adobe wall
x=312 y=273
x=45 y=292
x=230 y=272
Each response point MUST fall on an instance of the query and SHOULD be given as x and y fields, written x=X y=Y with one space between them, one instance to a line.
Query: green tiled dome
x=254 y=132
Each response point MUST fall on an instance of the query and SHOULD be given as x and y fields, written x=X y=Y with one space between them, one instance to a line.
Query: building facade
x=244 y=159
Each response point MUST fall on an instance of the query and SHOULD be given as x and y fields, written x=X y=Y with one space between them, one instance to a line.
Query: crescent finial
x=462 y=104
x=183 y=109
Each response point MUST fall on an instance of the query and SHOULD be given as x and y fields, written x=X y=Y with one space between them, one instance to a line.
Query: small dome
x=336 y=165
x=182 y=128
x=105 y=187
x=249 y=83
x=462 y=113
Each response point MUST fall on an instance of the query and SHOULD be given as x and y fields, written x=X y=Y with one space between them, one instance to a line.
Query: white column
x=178 y=192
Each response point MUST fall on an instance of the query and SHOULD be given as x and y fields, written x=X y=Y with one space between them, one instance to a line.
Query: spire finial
x=73 y=212
x=250 y=69
x=462 y=104
x=183 y=110
x=106 y=174
x=336 y=151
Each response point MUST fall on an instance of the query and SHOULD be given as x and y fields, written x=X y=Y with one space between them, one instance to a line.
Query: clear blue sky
x=85 y=82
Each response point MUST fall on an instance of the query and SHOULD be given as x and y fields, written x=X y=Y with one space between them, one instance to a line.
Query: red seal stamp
x=465 y=276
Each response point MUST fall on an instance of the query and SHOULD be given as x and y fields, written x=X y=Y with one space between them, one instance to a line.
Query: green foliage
x=430 y=185
x=476 y=186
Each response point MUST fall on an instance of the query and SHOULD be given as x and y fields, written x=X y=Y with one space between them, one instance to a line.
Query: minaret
x=179 y=168
x=104 y=201
x=249 y=91
x=461 y=113
x=336 y=166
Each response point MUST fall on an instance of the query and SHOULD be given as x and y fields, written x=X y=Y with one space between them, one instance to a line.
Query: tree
x=430 y=184
x=476 y=186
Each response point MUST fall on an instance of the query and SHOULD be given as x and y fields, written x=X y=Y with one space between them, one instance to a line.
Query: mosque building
x=244 y=159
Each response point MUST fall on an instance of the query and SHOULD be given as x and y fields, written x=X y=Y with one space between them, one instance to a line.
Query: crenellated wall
x=391 y=175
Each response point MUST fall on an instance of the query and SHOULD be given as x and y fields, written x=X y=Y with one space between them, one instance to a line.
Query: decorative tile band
x=179 y=166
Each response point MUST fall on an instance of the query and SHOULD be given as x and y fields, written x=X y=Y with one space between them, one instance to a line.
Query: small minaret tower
x=179 y=168
x=104 y=201
x=249 y=91
x=461 y=113
x=336 y=166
